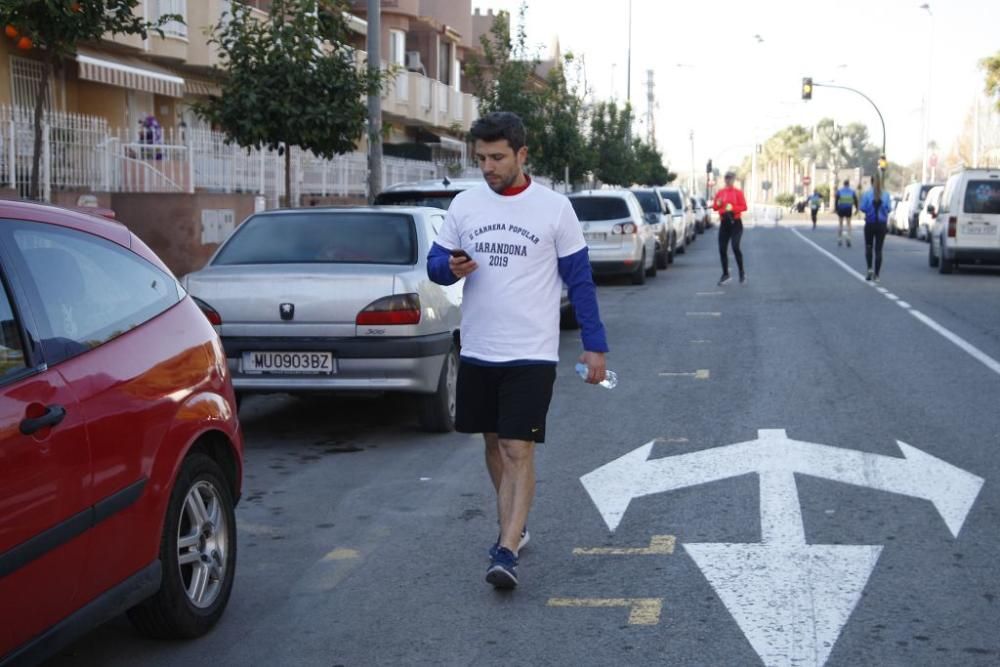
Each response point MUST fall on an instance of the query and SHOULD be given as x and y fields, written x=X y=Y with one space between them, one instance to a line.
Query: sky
x=714 y=76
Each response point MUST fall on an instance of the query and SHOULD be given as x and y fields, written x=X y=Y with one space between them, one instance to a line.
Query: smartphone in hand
x=460 y=254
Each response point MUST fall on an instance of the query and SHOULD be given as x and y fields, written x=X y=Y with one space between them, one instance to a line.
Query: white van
x=908 y=211
x=967 y=226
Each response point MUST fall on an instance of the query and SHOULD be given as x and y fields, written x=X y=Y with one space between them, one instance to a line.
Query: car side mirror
x=652 y=218
x=931 y=211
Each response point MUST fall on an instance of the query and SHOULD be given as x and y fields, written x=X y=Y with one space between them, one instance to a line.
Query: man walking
x=847 y=203
x=730 y=203
x=515 y=242
x=875 y=205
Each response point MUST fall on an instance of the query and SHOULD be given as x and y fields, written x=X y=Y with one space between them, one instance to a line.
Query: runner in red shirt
x=730 y=204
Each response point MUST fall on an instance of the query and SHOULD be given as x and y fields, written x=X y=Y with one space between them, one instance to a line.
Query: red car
x=121 y=456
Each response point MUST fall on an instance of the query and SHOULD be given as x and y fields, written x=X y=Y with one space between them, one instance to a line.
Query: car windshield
x=982 y=197
x=339 y=237
x=599 y=208
x=440 y=200
x=673 y=196
x=648 y=201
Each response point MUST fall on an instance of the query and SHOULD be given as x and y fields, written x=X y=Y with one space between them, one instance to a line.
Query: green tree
x=502 y=78
x=55 y=28
x=992 y=66
x=290 y=81
x=562 y=143
x=614 y=159
x=648 y=165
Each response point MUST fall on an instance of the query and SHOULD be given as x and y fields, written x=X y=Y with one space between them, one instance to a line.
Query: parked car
x=436 y=192
x=620 y=239
x=891 y=218
x=121 y=455
x=657 y=216
x=439 y=193
x=698 y=209
x=908 y=211
x=707 y=215
x=925 y=220
x=682 y=204
x=336 y=300
x=678 y=226
x=967 y=226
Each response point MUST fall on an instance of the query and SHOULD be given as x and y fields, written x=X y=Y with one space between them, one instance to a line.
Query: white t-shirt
x=510 y=303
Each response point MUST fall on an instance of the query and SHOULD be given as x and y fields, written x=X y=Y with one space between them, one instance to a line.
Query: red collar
x=517 y=189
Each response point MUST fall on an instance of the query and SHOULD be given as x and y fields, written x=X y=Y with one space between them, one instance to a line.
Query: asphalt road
x=363 y=541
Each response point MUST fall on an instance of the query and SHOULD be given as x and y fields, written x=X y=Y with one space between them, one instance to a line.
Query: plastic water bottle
x=610 y=380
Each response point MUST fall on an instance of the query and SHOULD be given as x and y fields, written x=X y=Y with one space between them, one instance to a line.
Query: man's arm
x=575 y=271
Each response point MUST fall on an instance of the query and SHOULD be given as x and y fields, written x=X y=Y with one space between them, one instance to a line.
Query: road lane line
x=700 y=374
x=643 y=611
x=903 y=304
x=709 y=293
x=701 y=314
x=959 y=342
x=659 y=545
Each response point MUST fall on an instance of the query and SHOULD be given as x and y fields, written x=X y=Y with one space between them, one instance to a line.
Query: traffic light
x=883 y=164
x=708 y=167
x=807 y=88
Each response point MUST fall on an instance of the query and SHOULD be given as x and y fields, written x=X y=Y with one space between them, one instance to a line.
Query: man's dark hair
x=847 y=183
x=500 y=125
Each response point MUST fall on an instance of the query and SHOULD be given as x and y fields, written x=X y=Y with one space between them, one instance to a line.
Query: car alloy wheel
x=202 y=544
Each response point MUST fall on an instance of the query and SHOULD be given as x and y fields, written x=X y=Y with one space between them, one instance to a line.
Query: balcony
x=424 y=101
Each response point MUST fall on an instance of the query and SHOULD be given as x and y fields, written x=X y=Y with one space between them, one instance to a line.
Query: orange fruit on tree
x=25 y=43
x=11 y=31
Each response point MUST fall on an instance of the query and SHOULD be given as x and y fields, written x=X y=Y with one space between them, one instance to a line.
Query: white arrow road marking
x=791 y=599
x=952 y=490
x=791 y=602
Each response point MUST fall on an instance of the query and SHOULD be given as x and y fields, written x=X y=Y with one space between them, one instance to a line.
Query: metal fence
x=80 y=152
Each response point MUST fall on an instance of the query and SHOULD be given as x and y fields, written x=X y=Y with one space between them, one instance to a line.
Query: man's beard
x=500 y=186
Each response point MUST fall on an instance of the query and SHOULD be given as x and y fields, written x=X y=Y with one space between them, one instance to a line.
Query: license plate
x=313 y=363
x=978 y=230
x=595 y=236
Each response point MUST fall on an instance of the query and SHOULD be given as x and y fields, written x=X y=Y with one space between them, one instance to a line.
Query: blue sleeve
x=575 y=272
x=437 y=266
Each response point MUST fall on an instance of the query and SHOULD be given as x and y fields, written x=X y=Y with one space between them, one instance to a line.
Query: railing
x=81 y=153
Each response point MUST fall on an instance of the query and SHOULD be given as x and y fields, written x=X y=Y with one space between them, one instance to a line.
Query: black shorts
x=844 y=211
x=511 y=401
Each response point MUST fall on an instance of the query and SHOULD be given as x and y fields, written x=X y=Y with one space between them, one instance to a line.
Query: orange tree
x=290 y=80
x=54 y=28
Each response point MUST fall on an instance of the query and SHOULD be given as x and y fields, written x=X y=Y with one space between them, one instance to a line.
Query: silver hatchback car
x=620 y=238
x=336 y=299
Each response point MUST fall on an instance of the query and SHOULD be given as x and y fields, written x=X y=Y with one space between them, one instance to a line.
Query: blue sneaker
x=525 y=538
x=502 y=572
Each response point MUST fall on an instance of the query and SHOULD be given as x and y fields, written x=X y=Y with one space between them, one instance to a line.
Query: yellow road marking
x=342 y=553
x=659 y=545
x=643 y=611
x=701 y=374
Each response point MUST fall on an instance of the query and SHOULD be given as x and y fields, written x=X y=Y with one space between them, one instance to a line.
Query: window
x=11 y=347
x=25 y=76
x=337 y=238
x=90 y=289
x=675 y=197
x=949 y=189
x=444 y=62
x=397 y=48
x=649 y=201
x=600 y=208
x=166 y=7
x=982 y=197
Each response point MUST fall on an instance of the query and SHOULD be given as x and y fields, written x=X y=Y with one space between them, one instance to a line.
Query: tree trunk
x=288 y=177
x=36 y=158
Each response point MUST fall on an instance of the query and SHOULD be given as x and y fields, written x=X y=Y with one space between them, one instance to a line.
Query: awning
x=128 y=72
x=202 y=87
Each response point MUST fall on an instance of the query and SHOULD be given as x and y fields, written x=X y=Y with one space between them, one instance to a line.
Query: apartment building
x=119 y=126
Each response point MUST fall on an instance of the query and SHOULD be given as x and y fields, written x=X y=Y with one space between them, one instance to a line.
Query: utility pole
x=650 y=106
x=374 y=100
x=691 y=186
x=628 y=66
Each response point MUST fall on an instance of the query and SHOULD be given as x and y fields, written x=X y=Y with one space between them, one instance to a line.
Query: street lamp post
x=927 y=96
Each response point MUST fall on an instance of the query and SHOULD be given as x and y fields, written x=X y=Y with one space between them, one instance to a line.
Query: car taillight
x=211 y=313
x=952 y=226
x=626 y=228
x=398 y=309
